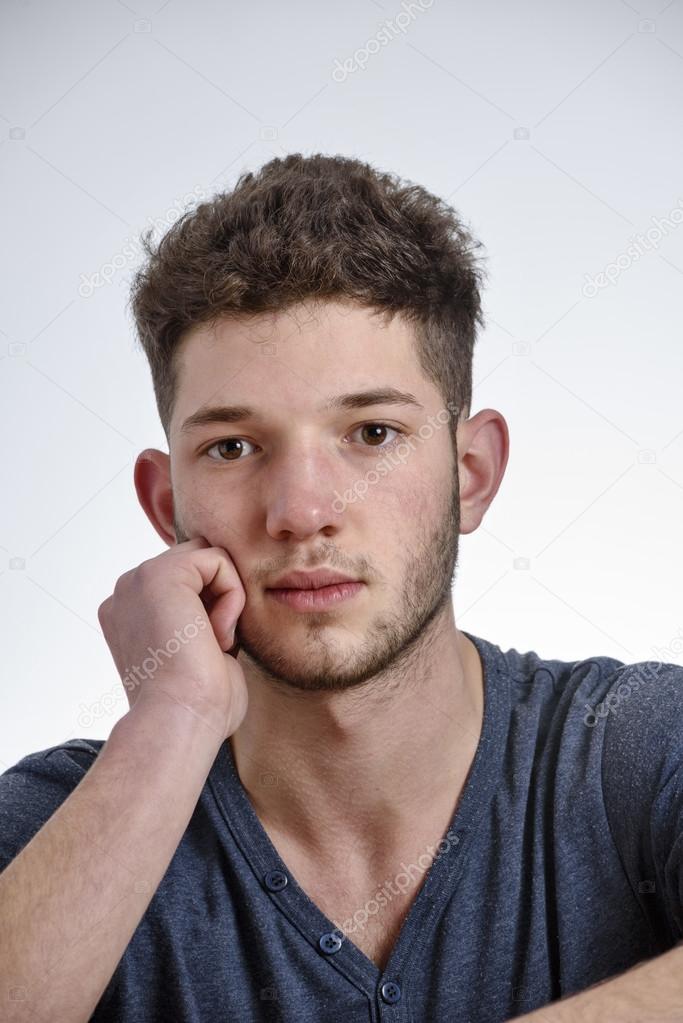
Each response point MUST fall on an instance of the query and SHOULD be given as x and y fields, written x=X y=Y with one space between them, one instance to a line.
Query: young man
x=327 y=802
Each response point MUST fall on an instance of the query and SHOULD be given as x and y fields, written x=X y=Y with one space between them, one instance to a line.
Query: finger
x=194 y=543
x=223 y=617
x=234 y=649
x=210 y=569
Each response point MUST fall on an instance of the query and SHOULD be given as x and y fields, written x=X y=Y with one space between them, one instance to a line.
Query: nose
x=300 y=495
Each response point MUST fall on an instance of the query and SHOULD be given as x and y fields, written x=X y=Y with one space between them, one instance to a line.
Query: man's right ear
x=152 y=476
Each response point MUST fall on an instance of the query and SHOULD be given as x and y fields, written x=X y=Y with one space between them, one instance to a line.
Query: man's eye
x=233 y=447
x=232 y=453
x=381 y=426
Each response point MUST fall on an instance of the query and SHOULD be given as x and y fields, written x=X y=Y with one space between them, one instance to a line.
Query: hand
x=170 y=625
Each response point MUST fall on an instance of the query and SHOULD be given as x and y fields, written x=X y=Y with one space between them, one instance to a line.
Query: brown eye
x=374 y=434
x=230 y=449
x=371 y=432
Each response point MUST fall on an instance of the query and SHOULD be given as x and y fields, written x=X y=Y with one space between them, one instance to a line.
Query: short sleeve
x=642 y=775
x=33 y=788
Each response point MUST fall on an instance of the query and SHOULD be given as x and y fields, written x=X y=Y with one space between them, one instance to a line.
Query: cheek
x=391 y=520
x=400 y=498
x=419 y=503
x=207 y=511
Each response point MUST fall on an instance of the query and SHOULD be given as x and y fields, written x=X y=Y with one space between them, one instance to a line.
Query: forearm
x=72 y=898
x=647 y=993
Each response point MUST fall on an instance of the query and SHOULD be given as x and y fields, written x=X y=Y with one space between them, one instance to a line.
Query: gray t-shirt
x=562 y=866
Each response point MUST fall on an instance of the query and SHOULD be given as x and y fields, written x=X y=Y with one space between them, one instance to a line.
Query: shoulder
x=642 y=783
x=68 y=759
x=642 y=712
x=34 y=787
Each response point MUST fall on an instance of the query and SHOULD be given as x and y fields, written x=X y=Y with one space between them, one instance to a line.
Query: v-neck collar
x=442 y=875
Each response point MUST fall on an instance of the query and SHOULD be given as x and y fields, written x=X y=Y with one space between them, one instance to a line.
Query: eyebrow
x=340 y=402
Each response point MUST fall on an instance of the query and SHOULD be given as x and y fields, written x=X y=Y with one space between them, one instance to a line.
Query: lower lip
x=316 y=600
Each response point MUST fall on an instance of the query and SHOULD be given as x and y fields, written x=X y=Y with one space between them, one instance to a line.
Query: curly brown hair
x=315 y=227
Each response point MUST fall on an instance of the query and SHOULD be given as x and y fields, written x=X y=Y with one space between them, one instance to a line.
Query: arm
x=71 y=900
x=642 y=764
x=651 y=991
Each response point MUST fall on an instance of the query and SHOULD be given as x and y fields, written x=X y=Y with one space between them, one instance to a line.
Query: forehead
x=291 y=359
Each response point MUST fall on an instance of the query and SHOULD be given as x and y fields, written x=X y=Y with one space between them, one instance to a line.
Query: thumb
x=224 y=615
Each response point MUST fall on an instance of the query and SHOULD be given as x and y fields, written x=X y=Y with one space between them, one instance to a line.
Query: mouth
x=311 y=580
x=317 y=598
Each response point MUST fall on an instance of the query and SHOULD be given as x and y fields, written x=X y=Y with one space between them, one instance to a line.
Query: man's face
x=299 y=488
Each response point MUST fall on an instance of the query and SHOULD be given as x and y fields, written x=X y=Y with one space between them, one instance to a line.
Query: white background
x=555 y=128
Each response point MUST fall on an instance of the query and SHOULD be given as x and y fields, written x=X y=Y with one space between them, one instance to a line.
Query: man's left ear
x=483 y=449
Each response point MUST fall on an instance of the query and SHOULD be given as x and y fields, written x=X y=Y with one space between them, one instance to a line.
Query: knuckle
x=139 y=577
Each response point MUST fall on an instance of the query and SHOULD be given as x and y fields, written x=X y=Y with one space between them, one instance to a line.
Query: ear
x=152 y=477
x=483 y=447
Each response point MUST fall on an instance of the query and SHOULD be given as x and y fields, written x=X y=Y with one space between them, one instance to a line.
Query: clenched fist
x=179 y=611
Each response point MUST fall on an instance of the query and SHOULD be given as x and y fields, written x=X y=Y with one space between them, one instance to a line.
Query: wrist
x=160 y=717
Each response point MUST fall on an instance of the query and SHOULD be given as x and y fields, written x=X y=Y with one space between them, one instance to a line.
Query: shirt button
x=275 y=880
x=390 y=992
x=330 y=943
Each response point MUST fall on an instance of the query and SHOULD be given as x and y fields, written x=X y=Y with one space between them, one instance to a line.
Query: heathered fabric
x=563 y=866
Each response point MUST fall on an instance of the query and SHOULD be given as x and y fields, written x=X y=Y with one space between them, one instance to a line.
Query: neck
x=370 y=763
